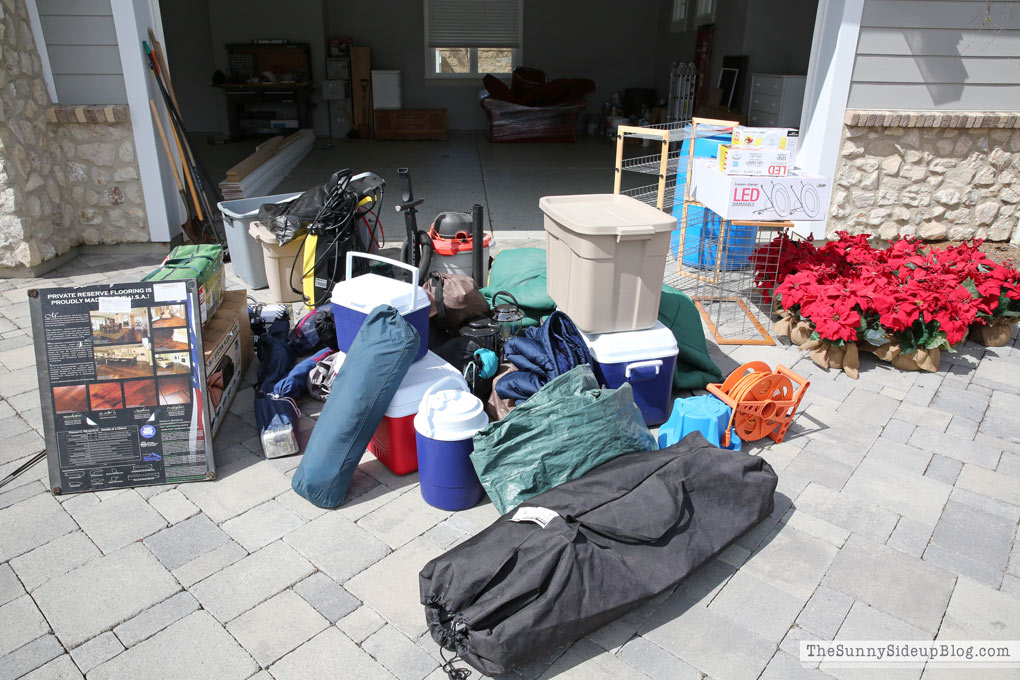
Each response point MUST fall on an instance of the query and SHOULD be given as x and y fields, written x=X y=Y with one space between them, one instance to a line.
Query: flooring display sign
x=122 y=385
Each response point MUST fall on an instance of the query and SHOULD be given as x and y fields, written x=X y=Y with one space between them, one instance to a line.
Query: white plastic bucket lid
x=656 y=342
x=422 y=375
x=449 y=415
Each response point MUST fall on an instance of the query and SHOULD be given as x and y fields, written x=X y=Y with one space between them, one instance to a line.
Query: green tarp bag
x=521 y=272
x=204 y=263
x=694 y=367
x=568 y=427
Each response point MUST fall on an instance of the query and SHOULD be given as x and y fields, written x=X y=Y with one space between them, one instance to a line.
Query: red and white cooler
x=393 y=442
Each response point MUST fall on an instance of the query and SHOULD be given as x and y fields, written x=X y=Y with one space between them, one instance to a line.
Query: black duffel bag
x=576 y=557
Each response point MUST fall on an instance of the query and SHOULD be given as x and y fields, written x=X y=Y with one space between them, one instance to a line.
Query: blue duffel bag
x=377 y=362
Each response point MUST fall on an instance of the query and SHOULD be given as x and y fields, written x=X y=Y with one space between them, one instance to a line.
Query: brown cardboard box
x=237 y=300
x=221 y=344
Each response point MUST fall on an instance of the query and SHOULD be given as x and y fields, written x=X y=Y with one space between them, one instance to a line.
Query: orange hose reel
x=762 y=403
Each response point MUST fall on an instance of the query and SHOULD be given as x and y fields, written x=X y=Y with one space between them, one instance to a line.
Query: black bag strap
x=437 y=296
x=506 y=294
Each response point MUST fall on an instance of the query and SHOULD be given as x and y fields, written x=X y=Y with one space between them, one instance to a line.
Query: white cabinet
x=776 y=100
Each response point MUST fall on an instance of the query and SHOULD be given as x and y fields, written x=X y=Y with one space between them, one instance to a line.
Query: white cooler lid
x=422 y=375
x=614 y=348
x=366 y=292
x=450 y=415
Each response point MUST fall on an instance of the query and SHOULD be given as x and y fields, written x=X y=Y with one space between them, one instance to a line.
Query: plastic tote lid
x=606 y=215
x=656 y=342
x=451 y=414
x=366 y=292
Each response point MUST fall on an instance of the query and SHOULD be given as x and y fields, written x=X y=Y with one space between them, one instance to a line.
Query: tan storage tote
x=605 y=257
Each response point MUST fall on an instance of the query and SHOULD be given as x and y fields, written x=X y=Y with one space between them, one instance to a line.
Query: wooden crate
x=410 y=124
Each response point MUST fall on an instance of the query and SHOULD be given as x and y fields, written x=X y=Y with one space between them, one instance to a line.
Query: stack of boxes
x=605 y=258
x=753 y=178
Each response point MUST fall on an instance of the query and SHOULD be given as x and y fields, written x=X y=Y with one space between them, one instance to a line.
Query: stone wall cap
x=95 y=113
x=931 y=119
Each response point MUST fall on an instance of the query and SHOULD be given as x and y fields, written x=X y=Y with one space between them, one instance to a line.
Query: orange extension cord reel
x=762 y=403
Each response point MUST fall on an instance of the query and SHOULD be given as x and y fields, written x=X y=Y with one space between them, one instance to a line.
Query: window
x=679 y=14
x=704 y=12
x=469 y=38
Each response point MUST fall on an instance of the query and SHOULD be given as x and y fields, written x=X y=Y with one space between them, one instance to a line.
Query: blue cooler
x=354 y=298
x=645 y=359
x=445 y=423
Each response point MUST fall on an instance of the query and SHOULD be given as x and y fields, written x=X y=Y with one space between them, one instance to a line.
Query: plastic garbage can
x=605 y=258
x=445 y=423
x=279 y=261
x=245 y=253
x=703 y=413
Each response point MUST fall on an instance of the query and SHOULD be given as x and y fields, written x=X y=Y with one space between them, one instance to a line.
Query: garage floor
x=508 y=179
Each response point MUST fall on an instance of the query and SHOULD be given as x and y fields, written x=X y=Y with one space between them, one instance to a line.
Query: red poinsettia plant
x=917 y=297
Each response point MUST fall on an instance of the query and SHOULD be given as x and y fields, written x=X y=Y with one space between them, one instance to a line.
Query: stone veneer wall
x=68 y=175
x=935 y=175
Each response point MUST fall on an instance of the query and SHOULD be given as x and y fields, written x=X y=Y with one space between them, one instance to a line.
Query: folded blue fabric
x=540 y=355
x=377 y=362
x=293 y=384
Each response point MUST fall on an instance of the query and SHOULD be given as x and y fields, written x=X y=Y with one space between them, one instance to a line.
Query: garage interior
x=622 y=48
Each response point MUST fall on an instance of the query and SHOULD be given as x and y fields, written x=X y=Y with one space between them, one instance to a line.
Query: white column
x=132 y=19
x=833 y=50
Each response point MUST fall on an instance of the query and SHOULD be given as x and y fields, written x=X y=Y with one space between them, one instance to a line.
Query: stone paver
x=27 y=658
x=868 y=623
x=186 y=541
x=400 y=656
x=792 y=561
x=194 y=648
x=390 y=586
x=324 y=656
x=155 y=619
x=55 y=558
x=119 y=521
x=236 y=490
x=976 y=543
x=655 y=662
x=20 y=623
x=31 y=523
x=890 y=581
x=173 y=505
x=328 y=598
x=337 y=546
x=882 y=483
x=277 y=626
x=758 y=606
x=96 y=651
x=104 y=592
x=10 y=586
x=252 y=580
x=262 y=525
x=61 y=668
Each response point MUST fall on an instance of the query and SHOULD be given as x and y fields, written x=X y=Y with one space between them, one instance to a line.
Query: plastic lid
x=450 y=415
x=422 y=375
x=366 y=292
x=605 y=214
x=656 y=342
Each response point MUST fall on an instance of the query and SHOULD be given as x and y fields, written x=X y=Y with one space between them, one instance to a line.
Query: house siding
x=82 y=45
x=915 y=55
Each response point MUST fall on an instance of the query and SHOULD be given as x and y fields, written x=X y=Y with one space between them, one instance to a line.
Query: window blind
x=473 y=23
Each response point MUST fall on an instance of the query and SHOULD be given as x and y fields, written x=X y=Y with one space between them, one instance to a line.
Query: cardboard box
x=755 y=161
x=766 y=138
x=237 y=300
x=798 y=196
x=221 y=341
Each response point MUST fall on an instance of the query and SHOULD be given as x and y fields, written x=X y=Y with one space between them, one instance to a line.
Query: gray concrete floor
x=508 y=179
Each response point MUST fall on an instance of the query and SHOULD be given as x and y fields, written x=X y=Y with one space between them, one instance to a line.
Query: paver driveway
x=896 y=518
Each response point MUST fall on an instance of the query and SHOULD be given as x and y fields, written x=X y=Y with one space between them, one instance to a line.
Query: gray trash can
x=245 y=251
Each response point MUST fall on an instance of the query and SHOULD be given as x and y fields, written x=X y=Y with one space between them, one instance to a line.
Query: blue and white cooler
x=446 y=421
x=354 y=298
x=645 y=359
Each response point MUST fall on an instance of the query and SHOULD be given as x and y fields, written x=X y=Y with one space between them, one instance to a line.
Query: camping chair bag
x=204 y=263
x=379 y=357
x=578 y=556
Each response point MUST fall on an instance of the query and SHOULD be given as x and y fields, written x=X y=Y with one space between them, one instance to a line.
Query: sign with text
x=122 y=385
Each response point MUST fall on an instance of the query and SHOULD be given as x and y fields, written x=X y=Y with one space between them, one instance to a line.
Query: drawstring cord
x=452 y=672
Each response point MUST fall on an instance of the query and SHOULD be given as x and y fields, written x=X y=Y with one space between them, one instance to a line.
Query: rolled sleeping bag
x=379 y=357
